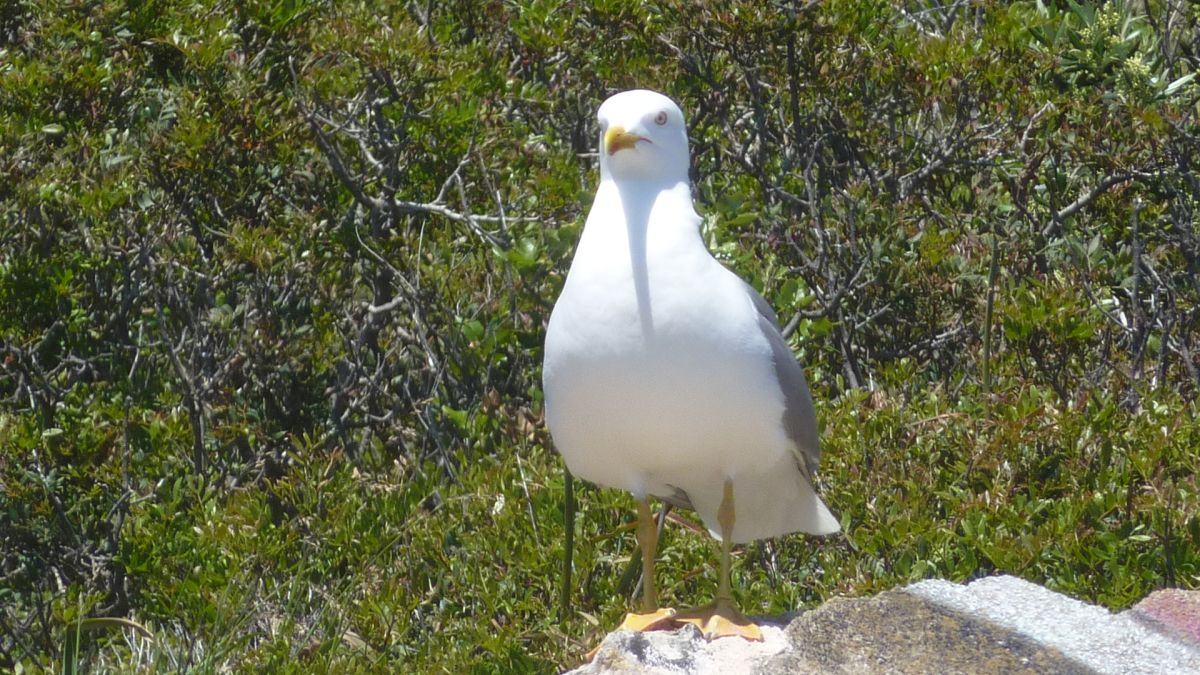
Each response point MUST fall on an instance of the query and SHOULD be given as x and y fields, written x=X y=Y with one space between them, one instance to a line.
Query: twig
x=391 y=205
x=1085 y=199
x=993 y=271
x=528 y=501
x=564 y=597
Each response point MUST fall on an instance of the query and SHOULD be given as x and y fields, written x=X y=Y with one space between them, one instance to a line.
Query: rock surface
x=902 y=633
x=1090 y=635
x=683 y=651
x=1174 y=612
x=997 y=624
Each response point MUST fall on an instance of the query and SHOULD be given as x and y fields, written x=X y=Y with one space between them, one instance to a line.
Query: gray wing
x=679 y=499
x=799 y=418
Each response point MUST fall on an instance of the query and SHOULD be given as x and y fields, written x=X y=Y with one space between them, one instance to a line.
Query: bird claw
x=721 y=619
x=656 y=620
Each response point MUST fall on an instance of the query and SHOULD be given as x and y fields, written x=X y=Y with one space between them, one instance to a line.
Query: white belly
x=684 y=399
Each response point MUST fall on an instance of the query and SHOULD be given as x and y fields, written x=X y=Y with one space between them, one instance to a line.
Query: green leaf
x=473 y=330
x=114 y=623
x=73 y=637
x=525 y=254
x=744 y=218
x=1178 y=84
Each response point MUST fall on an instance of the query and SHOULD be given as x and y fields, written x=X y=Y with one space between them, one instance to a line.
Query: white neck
x=632 y=221
x=633 y=200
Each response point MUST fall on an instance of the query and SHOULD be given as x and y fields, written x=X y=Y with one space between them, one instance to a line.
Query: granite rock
x=1172 y=612
x=896 y=632
x=996 y=624
x=683 y=651
x=1087 y=634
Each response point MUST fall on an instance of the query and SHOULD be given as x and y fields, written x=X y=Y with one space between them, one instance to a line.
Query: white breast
x=656 y=372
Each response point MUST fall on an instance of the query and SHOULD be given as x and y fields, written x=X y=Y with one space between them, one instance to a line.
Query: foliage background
x=274 y=276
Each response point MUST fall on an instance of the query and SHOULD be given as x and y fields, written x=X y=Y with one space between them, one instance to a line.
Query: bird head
x=642 y=137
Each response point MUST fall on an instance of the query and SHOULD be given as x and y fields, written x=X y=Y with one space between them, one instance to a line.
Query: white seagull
x=666 y=375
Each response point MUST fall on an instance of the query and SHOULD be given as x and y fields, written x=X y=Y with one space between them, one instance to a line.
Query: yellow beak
x=617 y=139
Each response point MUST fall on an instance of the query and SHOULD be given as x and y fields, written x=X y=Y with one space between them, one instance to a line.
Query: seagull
x=666 y=375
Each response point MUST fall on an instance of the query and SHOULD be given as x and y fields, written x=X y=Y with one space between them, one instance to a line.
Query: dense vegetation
x=274 y=277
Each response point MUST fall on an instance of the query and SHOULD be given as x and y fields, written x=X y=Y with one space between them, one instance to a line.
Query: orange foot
x=660 y=619
x=721 y=619
x=656 y=620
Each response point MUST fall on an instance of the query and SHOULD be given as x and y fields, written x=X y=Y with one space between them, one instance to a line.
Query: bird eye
x=661 y=118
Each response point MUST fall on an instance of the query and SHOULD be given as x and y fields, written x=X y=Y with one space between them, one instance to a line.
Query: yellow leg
x=652 y=617
x=722 y=618
x=647 y=537
x=725 y=516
